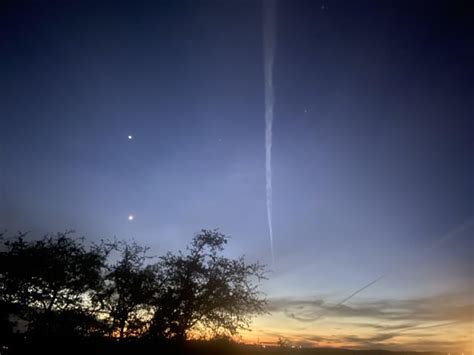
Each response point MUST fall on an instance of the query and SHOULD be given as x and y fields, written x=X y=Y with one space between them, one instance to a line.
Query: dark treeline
x=113 y=292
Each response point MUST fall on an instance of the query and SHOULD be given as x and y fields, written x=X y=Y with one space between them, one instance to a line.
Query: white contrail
x=269 y=15
x=423 y=254
x=359 y=291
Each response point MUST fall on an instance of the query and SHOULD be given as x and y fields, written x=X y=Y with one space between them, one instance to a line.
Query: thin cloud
x=454 y=307
x=391 y=324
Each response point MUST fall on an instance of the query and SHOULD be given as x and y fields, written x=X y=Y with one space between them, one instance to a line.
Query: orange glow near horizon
x=445 y=337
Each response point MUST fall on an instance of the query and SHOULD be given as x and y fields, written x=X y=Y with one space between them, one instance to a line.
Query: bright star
x=131 y=217
x=130 y=137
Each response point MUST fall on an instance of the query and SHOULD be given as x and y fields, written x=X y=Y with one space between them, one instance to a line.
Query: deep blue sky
x=373 y=134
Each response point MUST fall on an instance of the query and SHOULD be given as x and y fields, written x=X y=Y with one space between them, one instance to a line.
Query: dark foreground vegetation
x=74 y=346
x=61 y=294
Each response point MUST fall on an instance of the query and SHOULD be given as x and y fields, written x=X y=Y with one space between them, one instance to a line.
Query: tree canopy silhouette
x=204 y=291
x=46 y=276
x=126 y=291
x=58 y=286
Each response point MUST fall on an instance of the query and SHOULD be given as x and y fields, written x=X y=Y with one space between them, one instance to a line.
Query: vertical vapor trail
x=269 y=16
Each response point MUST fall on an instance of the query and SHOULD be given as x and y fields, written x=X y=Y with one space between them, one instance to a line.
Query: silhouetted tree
x=49 y=275
x=126 y=291
x=202 y=290
x=60 y=287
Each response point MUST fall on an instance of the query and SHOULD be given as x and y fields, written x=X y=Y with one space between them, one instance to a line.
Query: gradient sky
x=372 y=149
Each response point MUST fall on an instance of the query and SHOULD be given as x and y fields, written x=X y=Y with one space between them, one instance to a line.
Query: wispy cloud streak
x=449 y=307
x=435 y=322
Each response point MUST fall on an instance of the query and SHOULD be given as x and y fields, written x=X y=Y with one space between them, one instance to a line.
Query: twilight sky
x=372 y=149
